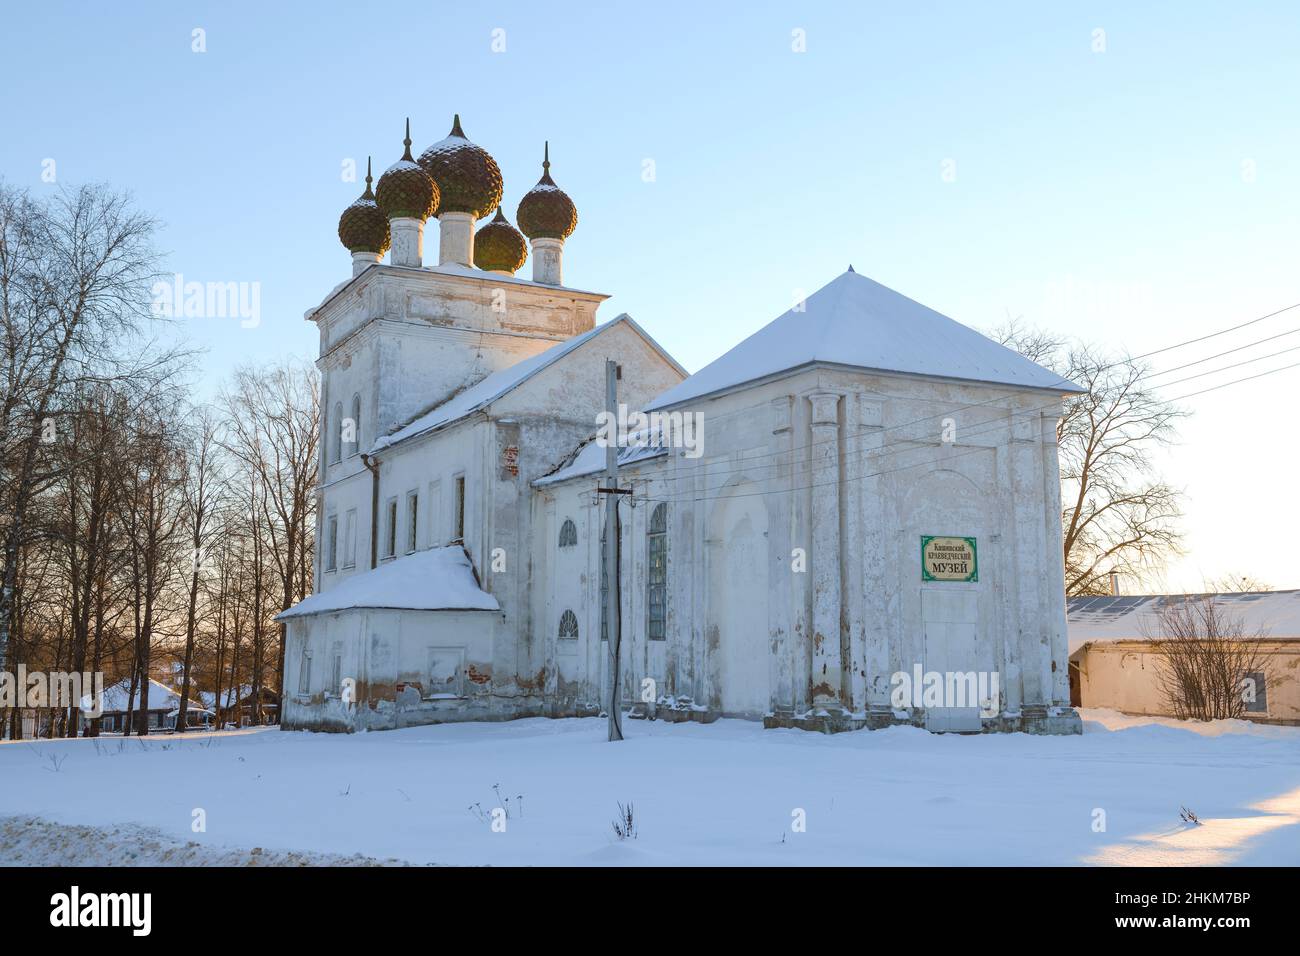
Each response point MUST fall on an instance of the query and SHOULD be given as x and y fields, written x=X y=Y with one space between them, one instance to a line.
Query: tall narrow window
x=412 y=520
x=390 y=529
x=336 y=669
x=350 y=539
x=568 y=534
x=568 y=626
x=458 y=527
x=657 y=573
x=336 y=433
x=332 y=543
x=354 y=439
x=304 y=673
x=434 y=524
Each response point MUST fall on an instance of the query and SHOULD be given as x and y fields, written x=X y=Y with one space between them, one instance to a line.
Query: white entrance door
x=950 y=618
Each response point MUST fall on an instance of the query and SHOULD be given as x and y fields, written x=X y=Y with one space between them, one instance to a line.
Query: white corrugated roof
x=853 y=321
x=1137 y=617
x=439 y=579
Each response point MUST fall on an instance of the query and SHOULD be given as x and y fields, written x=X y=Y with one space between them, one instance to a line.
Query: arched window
x=657 y=573
x=568 y=534
x=568 y=626
x=354 y=436
x=336 y=433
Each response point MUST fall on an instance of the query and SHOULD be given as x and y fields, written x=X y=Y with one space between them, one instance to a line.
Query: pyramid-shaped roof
x=855 y=322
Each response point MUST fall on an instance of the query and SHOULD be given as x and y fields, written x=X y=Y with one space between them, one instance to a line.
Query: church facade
x=851 y=519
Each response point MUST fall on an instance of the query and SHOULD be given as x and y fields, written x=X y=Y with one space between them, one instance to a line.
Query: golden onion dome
x=405 y=189
x=499 y=246
x=362 y=227
x=546 y=211
x=468 y=178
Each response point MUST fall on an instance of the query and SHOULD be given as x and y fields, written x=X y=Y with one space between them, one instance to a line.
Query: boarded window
x=568 y=626
x=568 y=534
x=350 y=539
x=446 y=669
x=304 y=673
x=332 y=543
x=657 y=573
x=1255 y=686
x=354 y=443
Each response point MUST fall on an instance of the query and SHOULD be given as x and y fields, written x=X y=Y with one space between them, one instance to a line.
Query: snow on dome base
x=546 y=211
x=362 y=227
x=467 y=176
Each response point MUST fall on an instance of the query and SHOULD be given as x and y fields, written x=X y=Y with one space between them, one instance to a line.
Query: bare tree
x=74 y=276
x=1209 y=664
x=1235 y=583
x=200 y=490
x=1117 y=516
x=273 y=422
x=153 y=516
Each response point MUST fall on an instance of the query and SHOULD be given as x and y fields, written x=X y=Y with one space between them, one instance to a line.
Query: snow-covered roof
x=439 y=579
x=590 y=458
x=1137 y=617
x=229 y=696
x=855 y=322
x=497 y=384
x=161 y=697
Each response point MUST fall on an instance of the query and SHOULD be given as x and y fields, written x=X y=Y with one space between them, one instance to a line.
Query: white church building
x=859 y=527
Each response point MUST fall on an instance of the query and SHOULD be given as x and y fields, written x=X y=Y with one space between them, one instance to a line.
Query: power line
x=996 y=423
x=1065 y=382
x=1170 y=348
x=876 y=474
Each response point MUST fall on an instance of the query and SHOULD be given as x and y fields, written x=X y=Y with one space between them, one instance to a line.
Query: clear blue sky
x=1133 y=197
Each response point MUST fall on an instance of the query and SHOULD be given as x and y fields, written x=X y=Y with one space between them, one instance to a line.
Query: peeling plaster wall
x=409 y=667
x=858 y=519
x=499 y=451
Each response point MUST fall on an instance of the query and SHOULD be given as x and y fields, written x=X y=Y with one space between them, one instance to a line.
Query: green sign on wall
x=948 y=559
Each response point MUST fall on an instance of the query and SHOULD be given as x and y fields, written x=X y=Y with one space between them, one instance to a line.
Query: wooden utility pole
x=611 y=491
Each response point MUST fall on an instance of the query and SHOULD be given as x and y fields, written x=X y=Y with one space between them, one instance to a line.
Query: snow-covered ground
x=726 y=793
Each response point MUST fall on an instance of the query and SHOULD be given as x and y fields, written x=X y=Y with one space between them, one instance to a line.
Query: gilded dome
x=405 y=189
x=546 y=211
x=362 y=227
x=467 y=177
x=499 y=246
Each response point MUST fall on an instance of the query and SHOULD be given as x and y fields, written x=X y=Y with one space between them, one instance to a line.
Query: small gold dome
x=546 y=211
x=499 y=246
x=405 y=189
x=362 y=227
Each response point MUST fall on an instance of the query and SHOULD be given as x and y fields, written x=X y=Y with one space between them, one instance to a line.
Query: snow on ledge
x=439 y=579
